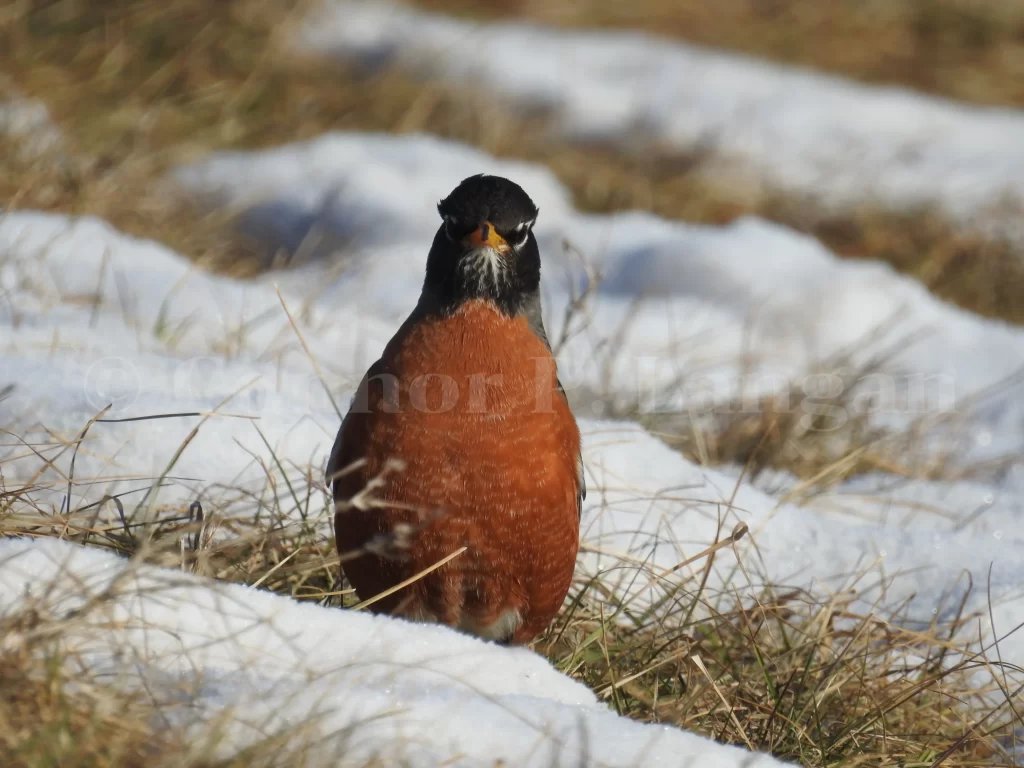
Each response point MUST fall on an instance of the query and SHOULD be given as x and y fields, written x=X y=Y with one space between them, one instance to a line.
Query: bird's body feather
x=470 y=403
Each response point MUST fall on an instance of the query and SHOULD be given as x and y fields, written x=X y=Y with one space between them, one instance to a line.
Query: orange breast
x=469 y=404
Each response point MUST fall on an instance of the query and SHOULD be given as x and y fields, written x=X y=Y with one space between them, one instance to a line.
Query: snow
x=92 y=316
x=713 y=293
x=660 y=507
x=375 y=687
x=840 y=142
x=27 y=122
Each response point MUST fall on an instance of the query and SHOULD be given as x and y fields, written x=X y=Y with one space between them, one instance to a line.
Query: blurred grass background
x=138 y=86
x=971 y=50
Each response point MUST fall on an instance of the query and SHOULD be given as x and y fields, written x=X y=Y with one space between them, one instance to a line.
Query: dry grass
x=807 y=679
x=806 y=676
x=43 y=723
x=964 y=49
x=140 y=86
x=823 y=441
x=852 y=413
x=58 y=709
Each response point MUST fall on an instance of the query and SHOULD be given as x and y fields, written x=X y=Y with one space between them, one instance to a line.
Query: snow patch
x=835 y=140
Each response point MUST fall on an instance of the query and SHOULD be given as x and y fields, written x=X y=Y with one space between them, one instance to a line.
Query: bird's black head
x=485 y=248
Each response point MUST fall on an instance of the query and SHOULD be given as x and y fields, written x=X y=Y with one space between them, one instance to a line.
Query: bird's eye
x=521 y=234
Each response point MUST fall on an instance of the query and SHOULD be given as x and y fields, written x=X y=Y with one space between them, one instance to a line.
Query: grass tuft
x=809 y=679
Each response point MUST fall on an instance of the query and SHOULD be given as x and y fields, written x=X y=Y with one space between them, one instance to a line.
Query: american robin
x=465 y=401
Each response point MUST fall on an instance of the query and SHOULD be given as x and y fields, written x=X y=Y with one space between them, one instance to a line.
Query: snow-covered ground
x=836 y=141
x=372 y=688
x=713 y=298
x=92 y=316
x=27 y=121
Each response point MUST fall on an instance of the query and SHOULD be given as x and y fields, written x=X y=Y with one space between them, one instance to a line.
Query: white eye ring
x=524 y=228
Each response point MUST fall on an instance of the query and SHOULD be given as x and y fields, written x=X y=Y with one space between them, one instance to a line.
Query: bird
x=461 y=436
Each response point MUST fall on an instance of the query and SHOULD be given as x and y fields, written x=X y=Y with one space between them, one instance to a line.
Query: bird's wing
x=581 y=480
x=348 y=444
x=335 y=463
x=535 y=319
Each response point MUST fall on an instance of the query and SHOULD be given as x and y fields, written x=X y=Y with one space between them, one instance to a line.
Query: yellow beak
x=485 y=235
